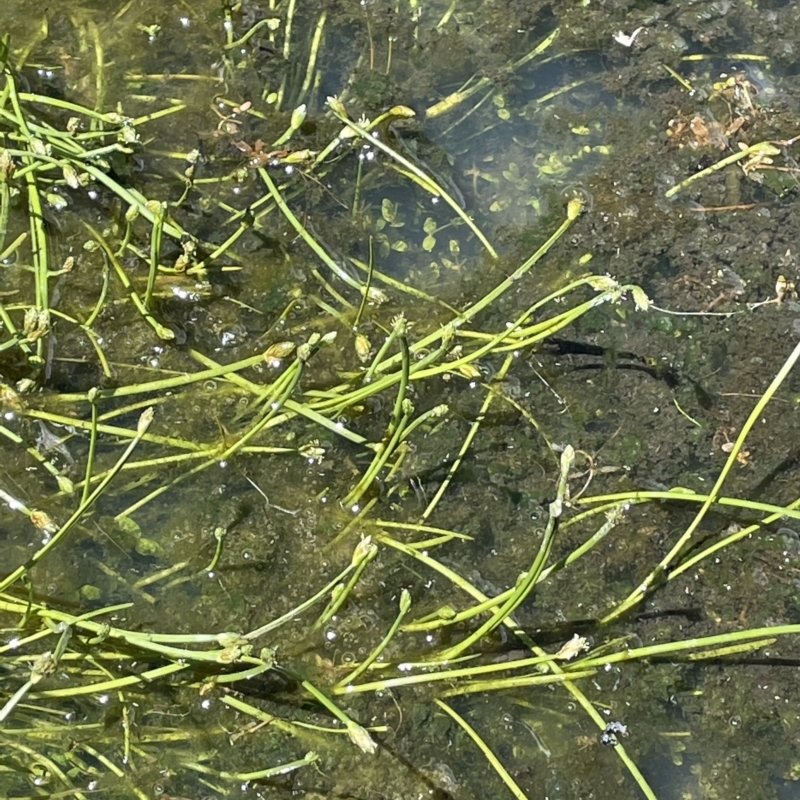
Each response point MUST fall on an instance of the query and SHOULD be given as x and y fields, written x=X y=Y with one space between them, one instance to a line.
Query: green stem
x=529 y=578
x=159 y=210
x=641 y=590
x=304 y=234
x=405 y=605
x=144 y=423
x=92 y=451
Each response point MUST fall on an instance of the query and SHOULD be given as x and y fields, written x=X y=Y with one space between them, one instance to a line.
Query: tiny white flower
x=575 y=646
x=620 y=37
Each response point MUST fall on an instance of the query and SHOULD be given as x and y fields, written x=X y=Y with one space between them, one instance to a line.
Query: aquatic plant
x=168 y=350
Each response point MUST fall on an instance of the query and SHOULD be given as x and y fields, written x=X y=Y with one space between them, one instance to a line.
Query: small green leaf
x=428 y=243
x=56 y=201
x=641 y=300
x=90 y=592
x=145 y=546
x=512 y=174
x=388 y=210
x=429 y=226
x=127 y=525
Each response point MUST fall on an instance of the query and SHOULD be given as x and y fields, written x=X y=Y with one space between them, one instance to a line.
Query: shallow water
x=650 y=400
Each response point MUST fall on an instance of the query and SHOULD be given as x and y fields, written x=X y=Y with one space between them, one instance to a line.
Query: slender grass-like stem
x=144 y=423
x=405 y=605
x=295 y=612
x=287 y=29
x=529 y=578
x=790 y=511
x=92 y=452
x=635 y=596
x=493 y=760
x=574 y=208
x=219 y=535
x=301 y=230
x=313 y=53
x=341 y=592
x=161 y=331
x=242 y=40
x=166 y=384
x=382 y=351
x=358 y=735
x=746 y=640
x=237 y=703
x=466 y=444
x=475 y=85
x=115 y=430
x=429 y=677
x=517 y=682
x=5 y=202
x=416 y=527
x=382 y=455
x=39 y=246
x=101 y=299
x=17 y=339
x=159 y=212
x=370 y=273
x=682 y=495
x=760 y=148
x=257 y=775
x=282 y=389
x=405 y=366
x=6 y=254
x=336 y=296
